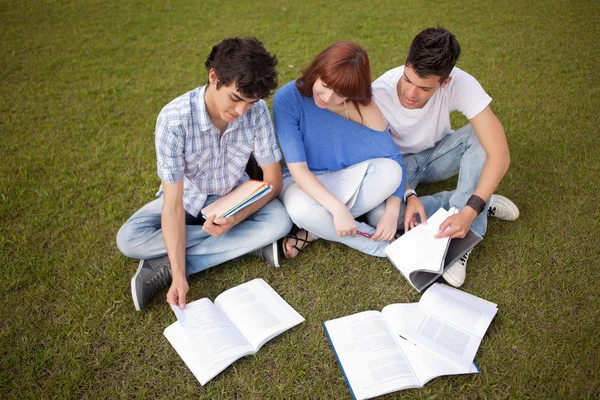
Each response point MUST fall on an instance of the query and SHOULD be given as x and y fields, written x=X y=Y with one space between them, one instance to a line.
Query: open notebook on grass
x=406 y=345
x=211 y=336
x=422 y=258
x=240 y=197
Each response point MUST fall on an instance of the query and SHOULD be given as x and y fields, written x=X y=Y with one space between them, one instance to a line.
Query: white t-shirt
x=420 y=129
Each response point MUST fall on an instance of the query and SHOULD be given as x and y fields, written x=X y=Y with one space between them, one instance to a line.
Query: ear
x=212 y=76
x=447 y=81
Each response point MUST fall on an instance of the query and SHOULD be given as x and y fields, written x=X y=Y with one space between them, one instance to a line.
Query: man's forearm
x=491 y=175
x=173 y=228
x=254 y=207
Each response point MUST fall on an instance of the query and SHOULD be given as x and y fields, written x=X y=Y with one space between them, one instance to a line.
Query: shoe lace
x=464 y=258
x=492 y=211
x=159 y=279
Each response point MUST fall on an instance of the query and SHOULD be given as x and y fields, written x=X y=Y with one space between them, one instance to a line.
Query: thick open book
x=422 y=258
x=211 y=336
x=240 y=197
x=406 y=345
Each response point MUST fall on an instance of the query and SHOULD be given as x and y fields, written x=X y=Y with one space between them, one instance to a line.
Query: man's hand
x=386 y=227
x=218 y=226
x=177 y=292
x=414 y=207
x=344 y=222
x=457 y=225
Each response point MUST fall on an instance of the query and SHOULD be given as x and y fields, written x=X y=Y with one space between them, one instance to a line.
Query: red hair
x=344 y=67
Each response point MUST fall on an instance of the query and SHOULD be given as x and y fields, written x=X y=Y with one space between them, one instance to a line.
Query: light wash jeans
x=141 y=236
x=459 y=152
x=381 y=180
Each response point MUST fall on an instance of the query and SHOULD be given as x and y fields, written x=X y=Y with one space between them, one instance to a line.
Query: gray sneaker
x=273 y=253
x=151 y=277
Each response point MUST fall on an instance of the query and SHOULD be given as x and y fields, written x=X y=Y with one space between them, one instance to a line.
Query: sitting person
x=416 y=100
x=326 y=122
x=204 y=139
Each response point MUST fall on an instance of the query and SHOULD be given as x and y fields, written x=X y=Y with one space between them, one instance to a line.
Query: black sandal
x=305 y=241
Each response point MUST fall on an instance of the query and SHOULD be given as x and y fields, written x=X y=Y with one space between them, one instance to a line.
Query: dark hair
x=246 y=62
x=344 y=67
x=434 y=51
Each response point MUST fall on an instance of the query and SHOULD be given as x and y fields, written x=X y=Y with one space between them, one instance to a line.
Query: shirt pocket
x=238 y=154
x=197 y=164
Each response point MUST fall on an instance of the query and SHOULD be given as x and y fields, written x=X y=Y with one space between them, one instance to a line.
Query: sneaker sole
x=275 y=255
x=452 y=282
x=133 y=291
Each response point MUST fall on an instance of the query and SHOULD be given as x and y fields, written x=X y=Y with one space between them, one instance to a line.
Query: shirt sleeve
x=468 y=95
x=169 y=142
x=286 y=112
x=266 y=150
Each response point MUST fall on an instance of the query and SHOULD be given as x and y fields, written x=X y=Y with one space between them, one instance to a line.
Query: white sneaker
x=456 y=273
x=502 y=208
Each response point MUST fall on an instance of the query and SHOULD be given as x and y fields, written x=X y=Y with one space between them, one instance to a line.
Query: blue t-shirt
x=325 y=140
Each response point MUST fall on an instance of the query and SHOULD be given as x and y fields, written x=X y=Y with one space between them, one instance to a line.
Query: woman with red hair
x=328 y=122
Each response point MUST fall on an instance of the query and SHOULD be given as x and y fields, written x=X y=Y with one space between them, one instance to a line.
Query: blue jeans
x=381 y=180
x=141 y=236
x=459 y=152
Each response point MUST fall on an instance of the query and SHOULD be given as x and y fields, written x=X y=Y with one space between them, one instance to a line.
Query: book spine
x=339 y=362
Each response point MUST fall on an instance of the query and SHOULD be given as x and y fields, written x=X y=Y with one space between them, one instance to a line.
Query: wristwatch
x=409 y=193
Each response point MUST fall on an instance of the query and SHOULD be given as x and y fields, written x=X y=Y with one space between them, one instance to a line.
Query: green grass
x=81 y=86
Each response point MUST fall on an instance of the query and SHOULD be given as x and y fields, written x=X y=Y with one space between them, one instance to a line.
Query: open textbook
x=422 y=258
x=406 y=345
x=211 y=336
x=240 y=197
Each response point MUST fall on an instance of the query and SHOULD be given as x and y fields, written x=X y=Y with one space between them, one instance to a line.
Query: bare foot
x=294 y=243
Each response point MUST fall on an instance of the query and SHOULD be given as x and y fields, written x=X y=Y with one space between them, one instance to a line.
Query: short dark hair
x=433 y=52
x=245 y=61
x=344 y=67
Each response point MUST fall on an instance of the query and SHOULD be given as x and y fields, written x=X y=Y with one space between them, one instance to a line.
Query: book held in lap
x=240 y=197
x=209 y=336
x=422 y=258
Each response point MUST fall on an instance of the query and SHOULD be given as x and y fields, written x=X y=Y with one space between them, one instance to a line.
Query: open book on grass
x=240 y=197
x=211 y=336
x=422 y=258
x=406 y=345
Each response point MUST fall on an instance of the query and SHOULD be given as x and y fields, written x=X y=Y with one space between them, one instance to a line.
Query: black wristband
x=476 y=203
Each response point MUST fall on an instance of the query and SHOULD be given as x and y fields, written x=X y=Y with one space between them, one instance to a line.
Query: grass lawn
x=81 y=86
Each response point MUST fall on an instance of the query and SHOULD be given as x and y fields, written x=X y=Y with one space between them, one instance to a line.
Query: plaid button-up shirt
x=190 y=148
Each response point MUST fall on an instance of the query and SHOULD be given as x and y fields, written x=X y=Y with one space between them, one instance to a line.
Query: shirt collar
x=205 y=122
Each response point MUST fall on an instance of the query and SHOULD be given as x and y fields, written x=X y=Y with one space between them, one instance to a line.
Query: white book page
x=344 y=184
x=459 y=308
x=425 y=363
x=257 y=311
x=206 y=339
x=418 y=249
x=457 y=345
x=369 y=355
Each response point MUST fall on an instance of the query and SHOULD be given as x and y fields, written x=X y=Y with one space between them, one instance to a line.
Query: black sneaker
x=151 y=277
x=273 y=253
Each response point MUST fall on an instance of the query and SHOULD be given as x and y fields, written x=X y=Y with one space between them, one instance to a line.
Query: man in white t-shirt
x=416 y=100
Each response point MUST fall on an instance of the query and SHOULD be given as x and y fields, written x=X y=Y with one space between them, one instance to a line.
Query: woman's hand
x=386 y=227
x=344 y=222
